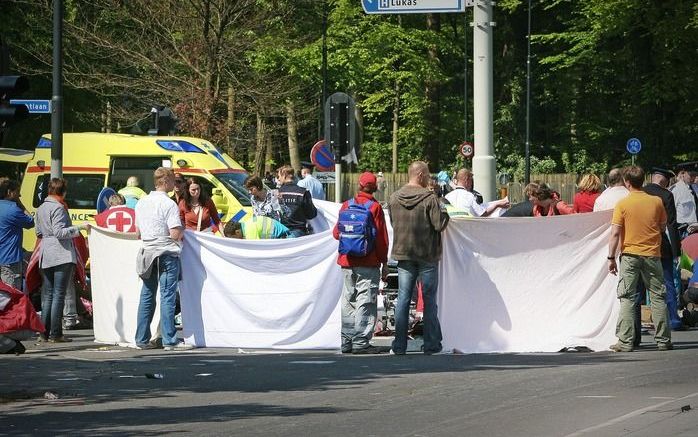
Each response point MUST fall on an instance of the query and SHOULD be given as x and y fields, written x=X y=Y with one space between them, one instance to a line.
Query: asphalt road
x=105 y=391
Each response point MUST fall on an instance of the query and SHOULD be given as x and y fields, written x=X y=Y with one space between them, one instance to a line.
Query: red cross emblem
x=121 y=220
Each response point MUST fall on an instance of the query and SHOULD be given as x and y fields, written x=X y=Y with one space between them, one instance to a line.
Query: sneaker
x=433 y=352
x=394 y=352
x=61 y=339
x=620 y=348
x=346 y=351
x=18 y=349
x=665 y=346
x=146 y=346
x=366 y=350
x=181 y=346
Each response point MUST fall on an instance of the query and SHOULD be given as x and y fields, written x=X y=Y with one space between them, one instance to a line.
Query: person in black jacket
x=671 y=248
x=296 y=204
x=525 y=208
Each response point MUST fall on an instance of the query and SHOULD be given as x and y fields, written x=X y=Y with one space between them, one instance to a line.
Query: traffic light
x=12 y=86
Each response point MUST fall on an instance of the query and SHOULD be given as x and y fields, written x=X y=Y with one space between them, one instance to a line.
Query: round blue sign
x=633 y=146
x=103 y=199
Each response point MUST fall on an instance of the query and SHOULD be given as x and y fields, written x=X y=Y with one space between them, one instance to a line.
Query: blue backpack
x=357 y=230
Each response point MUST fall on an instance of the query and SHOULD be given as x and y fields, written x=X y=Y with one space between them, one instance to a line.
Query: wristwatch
x=610 y=257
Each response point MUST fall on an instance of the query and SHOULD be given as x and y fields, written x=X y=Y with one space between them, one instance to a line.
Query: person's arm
x=58 y=220
x=438 y=217
x=492 y=206
x=613 y=244
x=672 y=227
x=177 y=233
x=335 y=230
x=22 y=219
x=381 y=233
x=213 y=212
x=308 y=206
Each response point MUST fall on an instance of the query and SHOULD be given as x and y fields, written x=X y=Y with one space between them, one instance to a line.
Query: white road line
x=311 y=362
x=629 y=416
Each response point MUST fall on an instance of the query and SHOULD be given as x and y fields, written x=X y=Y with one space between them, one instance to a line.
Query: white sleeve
x=172 y=216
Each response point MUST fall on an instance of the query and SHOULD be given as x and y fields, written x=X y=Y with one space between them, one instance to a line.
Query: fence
x=564 y=183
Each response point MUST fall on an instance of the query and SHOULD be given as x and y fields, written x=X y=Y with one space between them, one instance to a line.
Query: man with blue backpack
x=363 y=248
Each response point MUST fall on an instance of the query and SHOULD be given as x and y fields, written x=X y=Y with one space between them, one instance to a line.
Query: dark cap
x=308 y=165
x=664 y=172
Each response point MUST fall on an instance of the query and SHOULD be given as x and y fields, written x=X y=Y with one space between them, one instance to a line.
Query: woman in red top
x=589 y=189
x=546 y=202
x=197 y=210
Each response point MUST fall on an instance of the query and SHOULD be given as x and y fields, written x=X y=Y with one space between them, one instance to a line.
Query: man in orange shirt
x=637 y=225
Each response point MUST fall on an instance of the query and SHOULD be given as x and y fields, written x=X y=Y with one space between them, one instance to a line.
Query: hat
x=367 y=179
x=308 y=165
x=664 y=172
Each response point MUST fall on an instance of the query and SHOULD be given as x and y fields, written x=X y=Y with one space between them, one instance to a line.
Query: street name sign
x=34 y=106
x=413 y=6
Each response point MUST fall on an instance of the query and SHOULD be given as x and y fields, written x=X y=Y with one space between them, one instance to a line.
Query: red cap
x=367 y=179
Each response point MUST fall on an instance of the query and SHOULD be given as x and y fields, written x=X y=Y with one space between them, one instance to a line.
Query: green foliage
x=579 y=162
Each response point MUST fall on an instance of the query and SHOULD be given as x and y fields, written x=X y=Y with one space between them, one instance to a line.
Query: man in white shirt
x=160 y=228
x=685 y=200
x=465 y=200
x=615 y=192
x=310 y=183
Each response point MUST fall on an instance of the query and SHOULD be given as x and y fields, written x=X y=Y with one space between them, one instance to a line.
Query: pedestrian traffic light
x=12 y=86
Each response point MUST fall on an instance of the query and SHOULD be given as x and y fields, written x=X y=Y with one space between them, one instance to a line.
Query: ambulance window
x=235 y=182
x=142 y=167
x=82 y=192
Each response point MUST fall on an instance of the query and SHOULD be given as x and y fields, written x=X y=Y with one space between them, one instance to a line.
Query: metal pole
x=527 y=177
x=324 y=56
x=57 y=98
x=465 y=75
x=483 y=161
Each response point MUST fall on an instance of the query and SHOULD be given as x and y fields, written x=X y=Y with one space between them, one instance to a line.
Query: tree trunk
x=396 y=124
x=258 y=165
x=432 y=139
x=230 y=122
x=292 y=132
x=268 y=159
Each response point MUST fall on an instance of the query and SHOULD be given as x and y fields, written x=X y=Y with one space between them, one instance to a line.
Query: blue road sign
x=633 y=146
x=34 y=106
x=412 y=6
x=103 y=199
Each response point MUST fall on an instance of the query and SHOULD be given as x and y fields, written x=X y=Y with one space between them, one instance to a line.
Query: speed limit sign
x=467 y=149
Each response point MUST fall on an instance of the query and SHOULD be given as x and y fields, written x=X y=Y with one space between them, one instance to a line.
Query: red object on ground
x=689 y=246
x=420 y=298
x=33 y=275
x=19 y=314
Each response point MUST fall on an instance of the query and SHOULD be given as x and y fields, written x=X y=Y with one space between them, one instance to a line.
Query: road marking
x=311 y=362
x=628 y=416
x=597 y=397
x=662 y=397
x=217 y=361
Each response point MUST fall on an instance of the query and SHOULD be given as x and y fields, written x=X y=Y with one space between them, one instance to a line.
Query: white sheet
x=506 y=285
x=527 y=284
x=116 y=288
x=281 y=294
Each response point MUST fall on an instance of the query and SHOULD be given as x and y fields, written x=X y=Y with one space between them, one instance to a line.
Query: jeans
x=165 y=272
x=407 y=273
x=70 y=308
x=359 y=306
x=55 y=282
x=671 y=300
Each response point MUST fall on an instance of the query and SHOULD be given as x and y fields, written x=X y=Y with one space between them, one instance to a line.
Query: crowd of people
x=649 y=222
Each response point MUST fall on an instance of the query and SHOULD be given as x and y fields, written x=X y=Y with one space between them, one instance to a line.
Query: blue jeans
x=55 y=282
x=407 y=273
x=166 y=272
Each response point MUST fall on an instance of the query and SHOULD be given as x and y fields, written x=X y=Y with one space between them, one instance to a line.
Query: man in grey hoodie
x=417 y=218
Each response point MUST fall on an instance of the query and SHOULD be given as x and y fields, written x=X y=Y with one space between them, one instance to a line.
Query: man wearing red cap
x=362 y=273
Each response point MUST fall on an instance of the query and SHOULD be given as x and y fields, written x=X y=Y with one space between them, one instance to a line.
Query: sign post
x=633 y=146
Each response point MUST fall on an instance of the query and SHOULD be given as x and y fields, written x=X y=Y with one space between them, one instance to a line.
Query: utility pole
x=483 y=160
x=527 y=176
x=57 y=98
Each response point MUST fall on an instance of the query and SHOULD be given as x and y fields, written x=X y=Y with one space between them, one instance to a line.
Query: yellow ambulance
x=92 y=161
